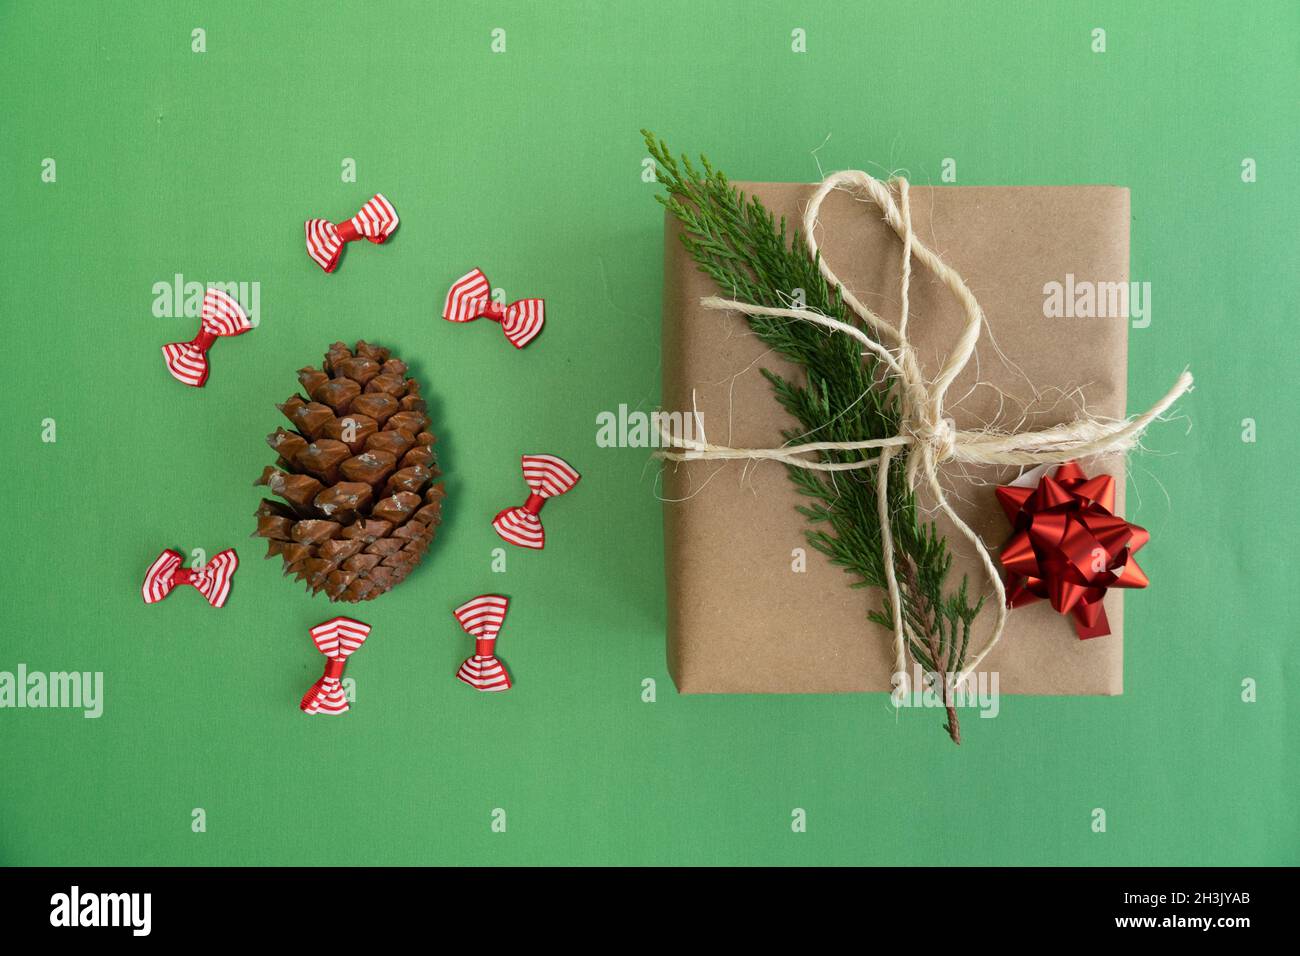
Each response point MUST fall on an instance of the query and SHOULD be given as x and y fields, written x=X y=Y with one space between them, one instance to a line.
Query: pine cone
x=356 y=475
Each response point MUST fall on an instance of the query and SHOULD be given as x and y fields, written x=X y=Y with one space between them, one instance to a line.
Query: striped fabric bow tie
x=212 y=580
x=547 y=477
x=482 y=618
x=336 y=639
x=221 y=316
x=376 y=222
x=470 y=298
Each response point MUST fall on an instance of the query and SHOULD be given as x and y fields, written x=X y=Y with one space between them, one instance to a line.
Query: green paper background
x=528 y=163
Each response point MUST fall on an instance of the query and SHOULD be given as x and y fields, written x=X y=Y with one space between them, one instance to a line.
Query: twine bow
x=932 y=437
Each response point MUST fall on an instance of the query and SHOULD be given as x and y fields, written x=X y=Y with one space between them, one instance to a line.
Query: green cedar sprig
x=845 y=396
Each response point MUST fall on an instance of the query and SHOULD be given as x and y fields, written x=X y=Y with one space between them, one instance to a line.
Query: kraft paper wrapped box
x=741 y=618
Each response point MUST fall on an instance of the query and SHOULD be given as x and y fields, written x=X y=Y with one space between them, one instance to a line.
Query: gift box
x=752 y=607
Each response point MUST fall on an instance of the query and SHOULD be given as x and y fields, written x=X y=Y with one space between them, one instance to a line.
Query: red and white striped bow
x=212 y=580
x=376 y=222
x=482 y=618
x=221 y=316
x=336 y=639
x=470 y=298
x=547 y=477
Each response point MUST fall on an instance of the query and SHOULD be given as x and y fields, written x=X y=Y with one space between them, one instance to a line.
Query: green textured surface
x=528 y=163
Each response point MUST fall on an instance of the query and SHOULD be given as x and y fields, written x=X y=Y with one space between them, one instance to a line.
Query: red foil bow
x=1069 y=547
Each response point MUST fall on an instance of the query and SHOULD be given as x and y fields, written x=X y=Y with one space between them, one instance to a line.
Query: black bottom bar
x=338 y=904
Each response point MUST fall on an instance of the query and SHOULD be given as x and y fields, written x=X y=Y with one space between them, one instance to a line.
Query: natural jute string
x=923 y=423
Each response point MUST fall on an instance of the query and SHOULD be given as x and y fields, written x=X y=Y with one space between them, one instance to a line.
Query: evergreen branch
x=845 y=397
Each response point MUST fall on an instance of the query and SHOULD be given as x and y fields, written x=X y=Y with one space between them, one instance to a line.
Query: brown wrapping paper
x=740 y=618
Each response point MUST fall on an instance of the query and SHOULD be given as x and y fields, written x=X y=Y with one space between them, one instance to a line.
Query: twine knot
x=940 y=436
